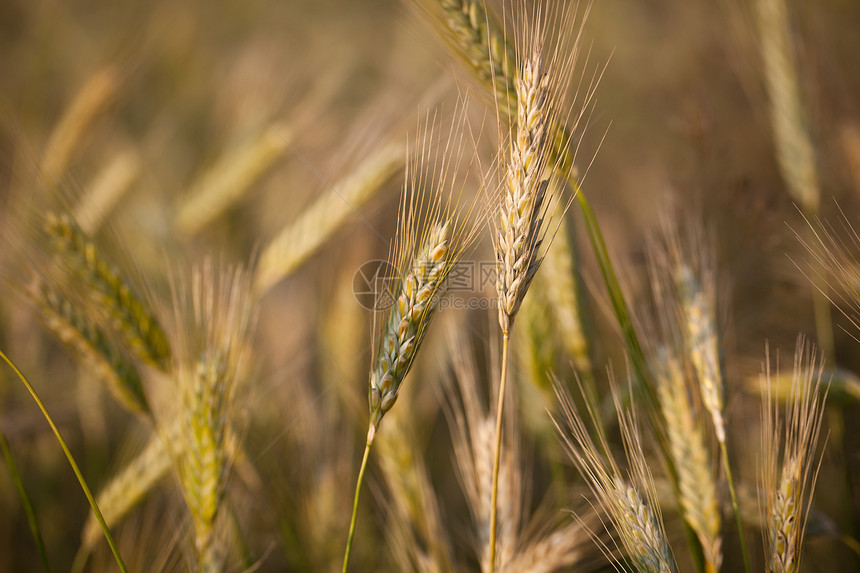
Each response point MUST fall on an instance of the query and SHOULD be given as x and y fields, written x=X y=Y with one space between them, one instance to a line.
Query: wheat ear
x=786 y=490
x=131 y=317
x=215 y=320
x=481 y=44
x=225 y=182
x=435 y=227
x=630 y=502
x=93 y=348
x=299 y=240
x=96 y=93
x=696 y=484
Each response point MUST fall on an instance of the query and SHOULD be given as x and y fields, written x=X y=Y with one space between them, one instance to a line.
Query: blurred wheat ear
x=128 y=313
x=214 y=321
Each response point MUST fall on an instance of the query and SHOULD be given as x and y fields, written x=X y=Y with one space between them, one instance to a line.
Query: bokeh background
x=155 y=100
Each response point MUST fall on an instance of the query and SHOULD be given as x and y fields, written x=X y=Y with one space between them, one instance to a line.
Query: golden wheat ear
x=790 y=463
x=628 y=498
x=438 y=221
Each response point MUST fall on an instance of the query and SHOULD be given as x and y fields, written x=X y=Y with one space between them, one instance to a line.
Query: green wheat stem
x=735 y=507
x=72 y=462
x=355 y=503
x=26 y=504
x=497 y=455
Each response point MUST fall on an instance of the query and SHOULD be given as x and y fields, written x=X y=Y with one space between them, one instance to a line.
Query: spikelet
x=214 y=319
x=109 y=289
x=434 y=230
x=786 y=489
x=629 y=502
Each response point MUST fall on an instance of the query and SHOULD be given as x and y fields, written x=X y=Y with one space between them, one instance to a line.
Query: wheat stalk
x=109 y=289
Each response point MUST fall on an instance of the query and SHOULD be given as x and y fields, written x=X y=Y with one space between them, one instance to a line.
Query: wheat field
x=430 y=285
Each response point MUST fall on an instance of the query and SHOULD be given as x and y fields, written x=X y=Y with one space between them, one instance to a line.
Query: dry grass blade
x=131 y=317
x=790 y=469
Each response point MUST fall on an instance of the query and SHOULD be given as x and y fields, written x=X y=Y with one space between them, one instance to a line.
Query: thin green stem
x=25 y=503
x=370 y=434
x=735 y=506
x=72 y=463
x=497 y=455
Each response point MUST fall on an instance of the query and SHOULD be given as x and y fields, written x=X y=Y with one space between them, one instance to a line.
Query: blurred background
x=187 y=129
